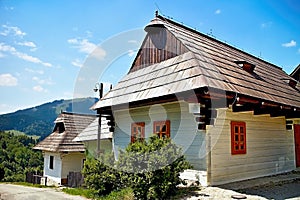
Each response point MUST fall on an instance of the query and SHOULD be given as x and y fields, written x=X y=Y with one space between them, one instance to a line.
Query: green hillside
x=39 y=120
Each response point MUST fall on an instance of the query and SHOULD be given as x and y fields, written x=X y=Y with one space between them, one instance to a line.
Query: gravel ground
x=18 y=192
x=280 y=191
x=283 y=186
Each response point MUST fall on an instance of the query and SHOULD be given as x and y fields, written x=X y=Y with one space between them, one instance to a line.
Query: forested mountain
x=39 y=120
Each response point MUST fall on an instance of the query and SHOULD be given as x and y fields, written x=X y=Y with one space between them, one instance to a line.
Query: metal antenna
x=158 y=10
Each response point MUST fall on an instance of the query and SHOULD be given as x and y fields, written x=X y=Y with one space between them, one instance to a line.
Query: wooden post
x=98 y=136
x=99 y=121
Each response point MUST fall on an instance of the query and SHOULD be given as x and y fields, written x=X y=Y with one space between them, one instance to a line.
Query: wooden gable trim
x=159 y=45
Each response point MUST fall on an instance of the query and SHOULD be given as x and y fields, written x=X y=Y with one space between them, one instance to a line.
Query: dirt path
x=17 y=192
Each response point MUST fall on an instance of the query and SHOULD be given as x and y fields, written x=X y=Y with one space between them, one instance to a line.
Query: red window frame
x=238 y=138
x=162 y=128
x=137 y=131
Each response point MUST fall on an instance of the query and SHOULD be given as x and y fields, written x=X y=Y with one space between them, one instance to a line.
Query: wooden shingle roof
x=61 y=140
x=91 y=131
x=203 y=62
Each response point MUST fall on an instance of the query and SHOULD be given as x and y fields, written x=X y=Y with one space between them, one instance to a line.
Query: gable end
x=159 y=45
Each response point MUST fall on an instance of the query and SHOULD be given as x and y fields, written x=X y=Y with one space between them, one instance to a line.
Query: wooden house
x=235 y=115
x=93 y=143
x=61 y=154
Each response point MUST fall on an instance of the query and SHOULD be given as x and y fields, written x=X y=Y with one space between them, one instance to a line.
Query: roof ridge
x=295 y=70
x=78 y=114
x=214 y=39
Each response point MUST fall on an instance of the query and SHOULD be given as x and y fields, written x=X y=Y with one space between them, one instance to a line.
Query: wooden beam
x=243 y=100
x=242 y=108
x=269 y=104
x=261 y=111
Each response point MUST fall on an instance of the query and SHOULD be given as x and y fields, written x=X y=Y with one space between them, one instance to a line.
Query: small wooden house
x=61 y=154
x=95 y=140
x=235 y=115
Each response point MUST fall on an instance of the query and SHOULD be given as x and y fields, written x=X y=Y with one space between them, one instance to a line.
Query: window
x=238 y=138
x=51 y=162
x=162 y=128
x=137 y=131
x=59 y=127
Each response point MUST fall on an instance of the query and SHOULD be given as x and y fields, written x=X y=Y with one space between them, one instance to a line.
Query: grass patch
x=90 y=194
x=16 y=133
x=124 y=194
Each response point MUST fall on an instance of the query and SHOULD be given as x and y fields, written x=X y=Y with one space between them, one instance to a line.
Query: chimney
x=248 y=67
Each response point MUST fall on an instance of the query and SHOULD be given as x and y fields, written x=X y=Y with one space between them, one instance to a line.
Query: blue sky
x=44 y=45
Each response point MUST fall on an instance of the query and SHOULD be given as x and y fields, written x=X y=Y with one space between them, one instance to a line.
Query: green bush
x=150 y=168
x=100 y=176
x=155 y=166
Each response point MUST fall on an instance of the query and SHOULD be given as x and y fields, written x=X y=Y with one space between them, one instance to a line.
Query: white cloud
x=89 y=34
x=77 y=62
x=5 y=108
x=39 y=88
x=132 y=41
x=24 y=56
x=266 y=25
x=43 y=81
x=4 y=32
x=99 y=53
x=85 y=46
x=8 y=80
x=12 y=29
x=2 y=55
x=218 y=12
x=67 y=95
x=34 y=71
x=131 y=53
x=292 y=43
x=27 y=44
x=7 y=48
x=8 y=8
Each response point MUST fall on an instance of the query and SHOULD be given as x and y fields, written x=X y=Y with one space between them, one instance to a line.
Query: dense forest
x=39 y=120
x=17 y=157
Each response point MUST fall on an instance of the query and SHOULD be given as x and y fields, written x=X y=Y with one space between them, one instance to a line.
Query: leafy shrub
x=155 y=166
x=100 y=176
x=150 y=168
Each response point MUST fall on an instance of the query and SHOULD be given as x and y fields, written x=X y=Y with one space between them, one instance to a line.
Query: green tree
x=17 y=157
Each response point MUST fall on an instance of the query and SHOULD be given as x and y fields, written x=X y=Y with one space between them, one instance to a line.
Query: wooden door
x=297 y=144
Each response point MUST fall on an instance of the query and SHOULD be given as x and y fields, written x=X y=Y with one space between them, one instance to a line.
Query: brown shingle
x=208 y=63
x=63 y=142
